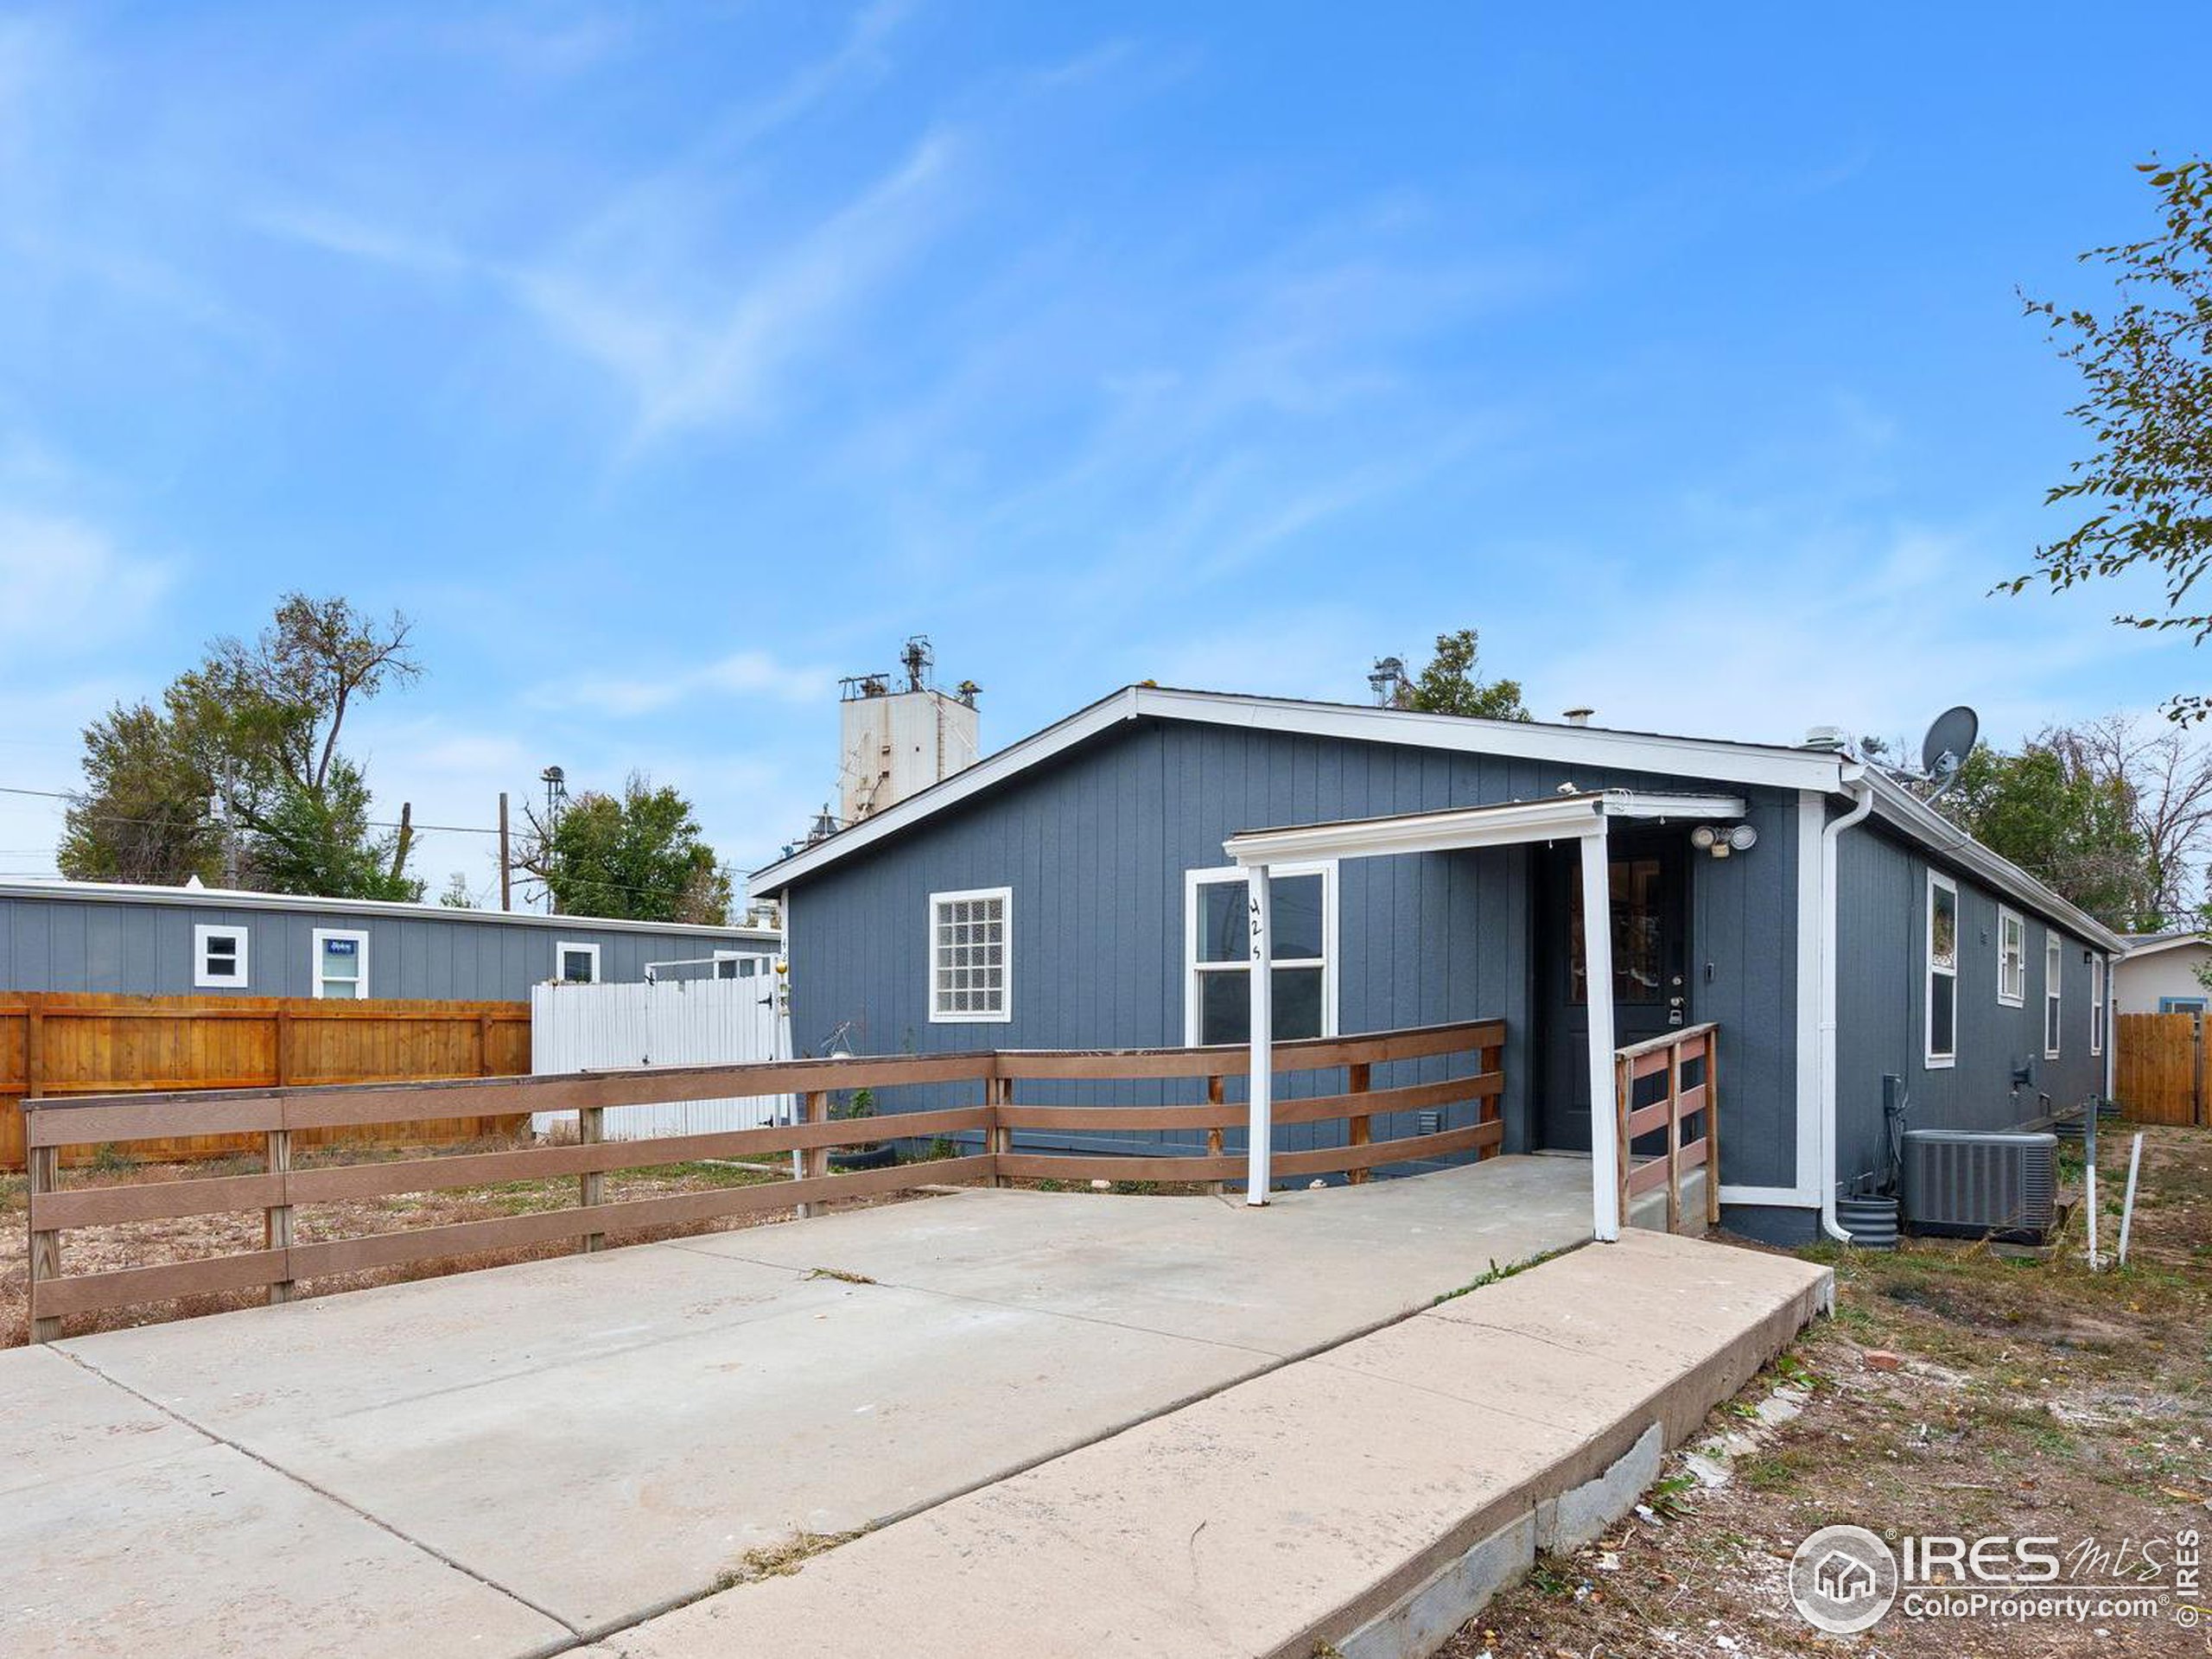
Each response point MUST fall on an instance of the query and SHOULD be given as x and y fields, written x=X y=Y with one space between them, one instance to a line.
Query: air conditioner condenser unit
x=1964 y=1184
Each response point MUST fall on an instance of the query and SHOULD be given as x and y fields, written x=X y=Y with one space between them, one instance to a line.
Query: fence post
x=1623 y=1093
x=276 y=1219
x=43 y=1166
x=1363 y=1123
x=813 y=1161
x=283 y=1045
x=1674 y=1137
x=1214 y=1144
x=998 y=1093
x=1712 y=1129
x=591 y=1187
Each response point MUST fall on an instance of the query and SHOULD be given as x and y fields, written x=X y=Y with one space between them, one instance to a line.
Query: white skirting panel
x=676 y=1022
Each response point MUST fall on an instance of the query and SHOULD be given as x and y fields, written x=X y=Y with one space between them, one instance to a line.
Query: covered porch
x=1633 y=1072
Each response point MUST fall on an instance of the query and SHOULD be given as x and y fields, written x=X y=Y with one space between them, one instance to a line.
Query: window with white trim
x=2097 y=995
x=2012 y=958
x=341 y=967
x=2053 y=963
x=575 y=963
x=971 y=955
x=1943 y=1046
x=1217 y=953
x=219 y=958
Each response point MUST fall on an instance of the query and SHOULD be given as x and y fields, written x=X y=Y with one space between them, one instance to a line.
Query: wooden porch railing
x=1666 y=1057
x=282 y=1189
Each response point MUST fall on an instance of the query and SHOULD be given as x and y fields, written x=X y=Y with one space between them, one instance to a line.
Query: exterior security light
x=1743 y=837
x=1703 y=837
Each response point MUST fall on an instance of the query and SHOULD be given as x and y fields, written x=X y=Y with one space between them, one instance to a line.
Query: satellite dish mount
x=1943 y=751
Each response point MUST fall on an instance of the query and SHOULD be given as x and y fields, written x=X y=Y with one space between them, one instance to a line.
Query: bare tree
x=2168 y=780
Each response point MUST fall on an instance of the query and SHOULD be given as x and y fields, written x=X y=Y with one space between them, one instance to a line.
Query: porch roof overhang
x=1505 y=824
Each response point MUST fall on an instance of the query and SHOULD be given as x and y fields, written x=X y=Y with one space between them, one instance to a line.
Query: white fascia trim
x=1783 y=1197
x=1939 y=835
x=2150 y=948
x=1572 y=746
x=1502 y=824
x=128 y=893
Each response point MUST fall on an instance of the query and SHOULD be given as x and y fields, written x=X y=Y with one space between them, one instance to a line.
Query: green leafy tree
x=1452 y=684
x=639 y=856
x=250 y=735
x=2060 y=820
x=2146 y=489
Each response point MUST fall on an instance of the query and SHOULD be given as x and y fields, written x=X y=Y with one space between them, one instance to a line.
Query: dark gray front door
x=1650 y=902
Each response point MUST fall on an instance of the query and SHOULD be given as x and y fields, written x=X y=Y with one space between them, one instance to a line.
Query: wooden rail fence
x=277 y=1118
x=69 y=1042
x=1666 y=1057
x=2161 y=1073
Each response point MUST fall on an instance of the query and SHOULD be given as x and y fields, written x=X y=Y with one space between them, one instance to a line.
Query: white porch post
x=1260 y=1132
x=1598 y=982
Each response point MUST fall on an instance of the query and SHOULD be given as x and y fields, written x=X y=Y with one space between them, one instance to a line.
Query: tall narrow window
x=2053 y=962
x=576 y=963
x=2097 y=994
x=1942 y=970
x=971 y=955
x=2011 y=959
x=342 y=963
x=1217 y=954
x=219 y=958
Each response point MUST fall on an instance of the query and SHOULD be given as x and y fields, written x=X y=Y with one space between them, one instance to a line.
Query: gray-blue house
x=158 y=941
x=1087 y=886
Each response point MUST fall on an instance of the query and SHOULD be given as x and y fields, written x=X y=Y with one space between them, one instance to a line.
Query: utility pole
x=507 y=861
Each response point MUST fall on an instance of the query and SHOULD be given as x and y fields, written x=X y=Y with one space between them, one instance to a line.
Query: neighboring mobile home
x=156 y=941
x=1088 y=887
x=2163 y=973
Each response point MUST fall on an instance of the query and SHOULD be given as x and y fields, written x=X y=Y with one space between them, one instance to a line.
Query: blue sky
x=666 y=363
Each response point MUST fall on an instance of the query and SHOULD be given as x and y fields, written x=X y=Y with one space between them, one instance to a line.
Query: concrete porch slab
x=1366 y=1500
x=600 y=1438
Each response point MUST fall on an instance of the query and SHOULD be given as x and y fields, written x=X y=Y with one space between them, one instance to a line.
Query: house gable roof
x=1587 y=745
x=2149 y=944
x=1712 y=760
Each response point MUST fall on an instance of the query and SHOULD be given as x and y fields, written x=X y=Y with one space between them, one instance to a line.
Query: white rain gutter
x=1862 y=794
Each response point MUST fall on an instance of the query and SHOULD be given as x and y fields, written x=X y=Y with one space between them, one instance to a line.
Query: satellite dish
x=1948 y=742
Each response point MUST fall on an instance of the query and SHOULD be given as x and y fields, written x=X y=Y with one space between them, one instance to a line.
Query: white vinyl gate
x=575 y=1027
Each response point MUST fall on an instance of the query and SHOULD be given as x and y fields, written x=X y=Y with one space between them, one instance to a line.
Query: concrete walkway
x=513 y=1462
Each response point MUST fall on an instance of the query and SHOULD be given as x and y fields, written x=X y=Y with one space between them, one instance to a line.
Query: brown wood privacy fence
x=1666 y=1059
x=61 y=1043
x=2160 y=1073
x=276 y=1117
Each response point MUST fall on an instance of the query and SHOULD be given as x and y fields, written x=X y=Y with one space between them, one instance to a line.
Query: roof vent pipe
x=1832 y=738
x=1579 y=717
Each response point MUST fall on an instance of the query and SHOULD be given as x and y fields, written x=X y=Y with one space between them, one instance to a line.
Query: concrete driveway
x=516 y=1461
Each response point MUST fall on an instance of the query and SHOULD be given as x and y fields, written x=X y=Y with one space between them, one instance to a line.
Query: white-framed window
x=218 y=958
x=2097 y=995
x=341 y=962
x=1217 y=954
x=1943 y=1046
x=575 y=963
x=739 y=964
x=2053 y=964
x=971 y=955
x=2012 y=958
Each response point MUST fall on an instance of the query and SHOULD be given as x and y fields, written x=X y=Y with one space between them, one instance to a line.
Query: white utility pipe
x=1260 y=1130
x=1863 y=794
x=2127 y=1204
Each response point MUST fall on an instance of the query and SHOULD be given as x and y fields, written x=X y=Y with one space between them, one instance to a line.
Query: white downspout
x=1862 y=793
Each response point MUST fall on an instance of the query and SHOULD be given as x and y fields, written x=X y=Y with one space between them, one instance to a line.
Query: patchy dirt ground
x=2030 y=1397
x=93 y=1249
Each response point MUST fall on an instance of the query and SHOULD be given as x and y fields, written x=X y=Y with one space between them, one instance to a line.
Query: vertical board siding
x=109 y=946
x=1095 y=844
x=1881 y=1001
x=676 y=1022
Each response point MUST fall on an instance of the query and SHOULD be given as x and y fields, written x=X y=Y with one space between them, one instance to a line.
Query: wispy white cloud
x=745 y=674
x=69 y=588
